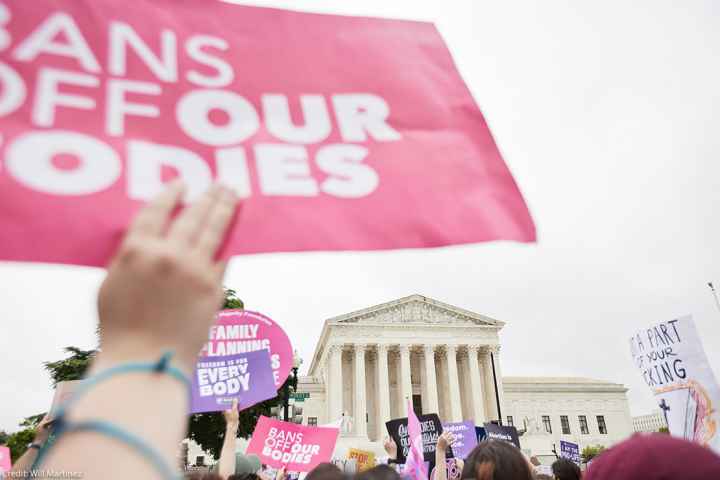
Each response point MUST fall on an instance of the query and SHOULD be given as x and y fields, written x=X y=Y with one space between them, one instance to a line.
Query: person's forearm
x=24 y=463
x=128 y=401
x=440 y=467
x=226 y=465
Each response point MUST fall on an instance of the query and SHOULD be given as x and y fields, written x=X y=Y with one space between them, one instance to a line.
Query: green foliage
x=232 y=300
x=3 y=437
x=591 y=451
x=18 y=442
x=71 y=368
x=664 y=430
x=32 y=421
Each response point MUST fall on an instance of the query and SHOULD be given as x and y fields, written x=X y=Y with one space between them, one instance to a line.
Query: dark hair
x=325 y=471
x=496 y=460
x=242 y=476
x=381 y=472
x=564 y=469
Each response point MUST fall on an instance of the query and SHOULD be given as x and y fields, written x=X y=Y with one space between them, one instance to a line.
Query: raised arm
x=444 y=441
x=160 y=295
x=226 y=465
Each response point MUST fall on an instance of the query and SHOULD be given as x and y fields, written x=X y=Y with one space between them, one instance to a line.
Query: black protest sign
x=500 y=432
x=431 y=428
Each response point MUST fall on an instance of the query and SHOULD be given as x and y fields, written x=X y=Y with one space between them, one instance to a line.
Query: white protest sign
x=672 y=361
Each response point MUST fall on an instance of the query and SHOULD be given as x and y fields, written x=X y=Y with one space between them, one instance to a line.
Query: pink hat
x=655 y=457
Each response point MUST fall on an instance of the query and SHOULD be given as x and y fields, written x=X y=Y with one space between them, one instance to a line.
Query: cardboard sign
x=63 y=391
x=364 y=459
x=431 y=429
x=465 y=437
x=240 y=331
x=502 y=432
x=5 y=460
x=571 y=451
x=339 y=143
x=246 y=377
x=672 y=361
x=299 y=448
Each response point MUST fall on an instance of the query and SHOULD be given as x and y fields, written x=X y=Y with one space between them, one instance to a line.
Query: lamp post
x=297 y=361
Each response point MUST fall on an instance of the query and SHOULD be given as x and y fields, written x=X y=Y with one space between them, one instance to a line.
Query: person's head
x=325 y=471
x=244 y=476
x=655 y=457
x=381 y=472
x=564 y=469
x=496 y=460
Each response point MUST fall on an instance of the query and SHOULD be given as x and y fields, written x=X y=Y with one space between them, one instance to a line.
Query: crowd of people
x=155 y=307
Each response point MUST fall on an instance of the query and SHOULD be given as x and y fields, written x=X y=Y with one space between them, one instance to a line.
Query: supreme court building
x=446 y=360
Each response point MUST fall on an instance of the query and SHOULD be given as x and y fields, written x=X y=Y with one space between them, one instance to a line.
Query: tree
x=17 y=442
x=591 y=451
x=71 y=368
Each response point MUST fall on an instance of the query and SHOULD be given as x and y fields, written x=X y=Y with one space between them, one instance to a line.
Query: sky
x=607 y=115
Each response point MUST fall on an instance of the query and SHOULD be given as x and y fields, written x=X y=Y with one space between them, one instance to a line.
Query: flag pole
x=714 y=294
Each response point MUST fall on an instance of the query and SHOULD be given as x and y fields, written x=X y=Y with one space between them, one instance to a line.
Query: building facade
x=368 y=364
x=649 y=423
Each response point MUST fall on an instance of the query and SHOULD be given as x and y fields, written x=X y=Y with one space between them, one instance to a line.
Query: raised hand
x=164 y=285
x=445 y=440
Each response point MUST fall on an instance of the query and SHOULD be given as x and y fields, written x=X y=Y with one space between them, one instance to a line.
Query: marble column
x=383 y=388
x=430 y=380
x=492 y=413
x=478 y=397
x=454 y=383
x=405 y=378
x=335 y=383
x=498 y=374
x=360 y=409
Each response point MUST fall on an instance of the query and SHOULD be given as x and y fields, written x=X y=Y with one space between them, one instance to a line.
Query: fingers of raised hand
x=153 y=218
x=203 y=224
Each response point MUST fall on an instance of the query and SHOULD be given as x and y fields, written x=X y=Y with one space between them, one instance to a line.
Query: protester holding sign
x=446 y=469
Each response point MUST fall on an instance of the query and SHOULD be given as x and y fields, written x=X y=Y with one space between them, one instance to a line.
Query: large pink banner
x=338 y=133
x=298 y=448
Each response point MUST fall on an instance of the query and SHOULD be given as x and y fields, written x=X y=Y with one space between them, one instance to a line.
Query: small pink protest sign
x=298 y=448
x=239 y=331
x=337 y=133
x=5 y=460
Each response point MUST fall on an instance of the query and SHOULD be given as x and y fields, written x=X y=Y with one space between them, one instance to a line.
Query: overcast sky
x=607 y=115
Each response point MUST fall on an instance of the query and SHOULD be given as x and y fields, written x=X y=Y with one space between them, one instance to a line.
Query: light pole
x=297 y=361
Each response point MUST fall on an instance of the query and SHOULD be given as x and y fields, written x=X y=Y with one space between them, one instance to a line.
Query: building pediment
x=415 y=309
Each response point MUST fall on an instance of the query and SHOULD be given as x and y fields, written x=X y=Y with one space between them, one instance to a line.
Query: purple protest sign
x=465 y=437
x=247 y=377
